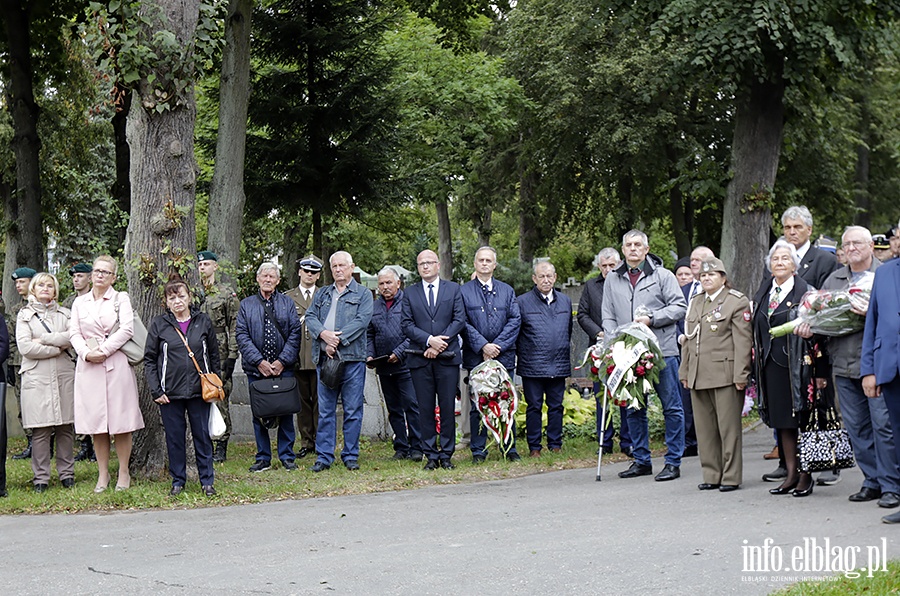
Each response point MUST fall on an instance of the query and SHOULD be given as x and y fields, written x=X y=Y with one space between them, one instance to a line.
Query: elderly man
x=642 y=291
x=338 y=318
x=220 y=302
x=433 y=318
x=81 y=283
x=544 y=364
x=307 y=380
x=22 y=277
x=866 y=419
x=590 y=317
x=387 y=347
x=268 y=337
x=698 y=255
x=492 y=326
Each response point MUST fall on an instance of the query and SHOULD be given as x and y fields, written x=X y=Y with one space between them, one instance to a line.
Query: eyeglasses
x=853 y=243
x=427 y=263
x=103 y=272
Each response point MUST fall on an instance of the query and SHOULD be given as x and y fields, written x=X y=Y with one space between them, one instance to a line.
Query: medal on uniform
x=718 y=315
x=713 y=327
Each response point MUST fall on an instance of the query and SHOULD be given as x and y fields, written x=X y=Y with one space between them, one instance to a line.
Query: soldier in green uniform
x=219 y=301
x=23 y=276
x=81 y=282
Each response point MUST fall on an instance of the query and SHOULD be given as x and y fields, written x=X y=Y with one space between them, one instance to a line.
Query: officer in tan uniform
x=302 y=295
x=23 y=276
x=715 y=366
x=219 y=301
x=81 y=282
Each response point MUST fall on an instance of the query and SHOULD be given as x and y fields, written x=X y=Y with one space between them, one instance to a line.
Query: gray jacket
x=657 y=289
x=844 y=352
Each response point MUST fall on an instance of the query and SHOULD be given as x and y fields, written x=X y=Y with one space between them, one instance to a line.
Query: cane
x=2 y=439
x=602 y=432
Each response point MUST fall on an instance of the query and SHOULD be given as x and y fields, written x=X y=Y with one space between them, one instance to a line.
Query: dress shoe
x=68 y=482
x=727 y=488
x=513 y=456
x=415 y=455
x=399 y=456
x=628 y=451
x=783 y=489
x=260 y=466
x=209 y=490
x=303 y=452
x=772 y=454
x=445 y=464
x=865 y=494
x=319 y=466
x=555 y=450
x=636 y=470
x=779 y=474
x=707 y=486
x=889 y=500
x=690 y=451
x=3 y=493
x=289 y=466
x=804 y=492
x=893 y=518
x=177 y=489
x=99 y=489
x=40 y=488
x=829 y=478
x=535 y=453
x=477 y=459
x=432 y=464
x=669 y=472
x=351 y=464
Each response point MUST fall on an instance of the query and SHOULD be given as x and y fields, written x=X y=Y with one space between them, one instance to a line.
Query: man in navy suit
x=433 y=317
x=880 y=359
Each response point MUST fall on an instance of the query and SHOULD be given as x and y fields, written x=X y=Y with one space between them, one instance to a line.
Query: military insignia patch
x=747 y=316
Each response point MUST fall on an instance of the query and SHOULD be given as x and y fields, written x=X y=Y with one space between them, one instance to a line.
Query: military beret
x=80 y=268
x=24 y=273
x=880 y=240
x=310 y=263
x=713 y=264
x=207 y=255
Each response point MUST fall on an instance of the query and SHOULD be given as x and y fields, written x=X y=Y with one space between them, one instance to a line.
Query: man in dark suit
x=880 y=363
x=433 y=317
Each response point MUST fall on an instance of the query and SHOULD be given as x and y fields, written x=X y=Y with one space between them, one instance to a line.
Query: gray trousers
x=40 y=452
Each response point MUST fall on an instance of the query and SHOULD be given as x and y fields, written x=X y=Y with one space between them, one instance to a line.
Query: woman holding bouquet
x=718 y=335
x=780 y=363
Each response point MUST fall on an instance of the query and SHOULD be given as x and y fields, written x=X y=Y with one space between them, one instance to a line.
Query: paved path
x=555 y=533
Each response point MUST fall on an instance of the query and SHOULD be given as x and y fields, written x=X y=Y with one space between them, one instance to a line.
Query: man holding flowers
x=642 y=291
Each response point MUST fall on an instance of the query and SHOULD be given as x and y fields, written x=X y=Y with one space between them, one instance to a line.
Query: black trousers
x=441 y=380
x=173 y=418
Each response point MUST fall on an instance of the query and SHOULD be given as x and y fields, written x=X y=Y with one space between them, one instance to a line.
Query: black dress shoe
x=865 y=494
x=779 y=474
x=40 y=488
x=289 y=466
x=445 y=463
x=478 y=459
x=727 y=488
x=707 y=486
x=303 y=452
x=177 y=489
x=669 y=472
x=804 y=492
x=432 y=464
x=690 y=451
x=209 y=490
x=351 y=464
x=68 y=482
x=636 y=470
x=893 y=518
x=319 y=466
x=513 y=457
x=783 y=489
x=416 y=455
x=889 y=500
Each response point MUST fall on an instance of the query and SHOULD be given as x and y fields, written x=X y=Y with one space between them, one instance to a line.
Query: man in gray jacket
x=642 y=291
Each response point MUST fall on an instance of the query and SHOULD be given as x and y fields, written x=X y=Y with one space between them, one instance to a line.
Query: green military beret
x=79 y=268
x=207 y=255
x=24 y=273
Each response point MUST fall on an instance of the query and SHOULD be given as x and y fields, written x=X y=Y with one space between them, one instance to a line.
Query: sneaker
x=829 y=478
x=260 y=466
x=288 y=465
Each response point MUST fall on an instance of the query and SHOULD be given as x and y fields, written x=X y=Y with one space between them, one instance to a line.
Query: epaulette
x=734 y=292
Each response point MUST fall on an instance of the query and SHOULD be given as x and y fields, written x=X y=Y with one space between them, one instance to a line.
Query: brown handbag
x=211 y=386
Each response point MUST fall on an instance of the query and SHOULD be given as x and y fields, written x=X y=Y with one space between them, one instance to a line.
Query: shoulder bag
x=211 y=386
x=134 y=347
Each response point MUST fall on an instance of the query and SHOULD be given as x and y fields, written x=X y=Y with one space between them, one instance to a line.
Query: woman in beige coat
x=48 y=376
x=106 y=397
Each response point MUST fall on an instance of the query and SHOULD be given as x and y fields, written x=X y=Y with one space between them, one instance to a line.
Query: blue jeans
x=351 y=392
x=535 y=389
x=478 y=431
x=605 y=438
x=286 y=433
x=403 y=411
x=869 y=425
x=670 y=397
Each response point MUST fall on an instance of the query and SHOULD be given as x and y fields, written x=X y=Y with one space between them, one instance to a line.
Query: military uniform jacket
x=15 y=358
x=304 y=358
x=716 y=352
x=221 y=305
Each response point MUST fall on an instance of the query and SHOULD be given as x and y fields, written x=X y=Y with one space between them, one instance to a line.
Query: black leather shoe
x=319 y=467
x=445 y=464
x=690 y=451
x=707 y=486
x=893 y=518
x=400 y=456
x=477 y=459
x=513 y=457
x=783 y=489
x=416 y=455
x=68 y=482
x=39 y=488
x=432 y=464
x=669 y=472
x=636 y=470
x=865 y=494
x=805 y=492
x=303 y=453
x=779 y=474
x=177 y=489
x=889 y=500
x=289 y=466
x=209 y=490
x=727 y=488
x=351 y=464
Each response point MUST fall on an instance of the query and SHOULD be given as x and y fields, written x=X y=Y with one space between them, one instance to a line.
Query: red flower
x=610 y=369
x=594 y=370
x=504 y=396
x=640 y=371
x=482 y=401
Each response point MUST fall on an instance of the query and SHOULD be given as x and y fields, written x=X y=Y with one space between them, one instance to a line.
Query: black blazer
x=419 y=321
x=762 y=322
x=816 y=265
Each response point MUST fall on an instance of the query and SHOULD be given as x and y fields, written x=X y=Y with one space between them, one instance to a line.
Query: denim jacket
x=354 y=311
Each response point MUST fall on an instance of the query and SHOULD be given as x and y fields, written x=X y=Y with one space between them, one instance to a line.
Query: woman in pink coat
x=106 y=396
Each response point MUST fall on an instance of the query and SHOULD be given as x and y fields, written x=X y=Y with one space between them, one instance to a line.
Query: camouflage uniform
x=15 y=358
x=221 y=304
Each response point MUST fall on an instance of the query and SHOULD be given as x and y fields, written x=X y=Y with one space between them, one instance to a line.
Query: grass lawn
x=885 y=582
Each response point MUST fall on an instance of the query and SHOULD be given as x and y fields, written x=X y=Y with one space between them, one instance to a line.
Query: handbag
x=825 y=446
x=211 y=386
x=217 y=425
x=274 y=396
x=331 y=372
x=134 y=347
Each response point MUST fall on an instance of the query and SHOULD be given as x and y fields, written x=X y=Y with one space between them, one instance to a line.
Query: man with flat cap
x=220 y=302
x=81 y=282
x=22 y=276
x=305 y=373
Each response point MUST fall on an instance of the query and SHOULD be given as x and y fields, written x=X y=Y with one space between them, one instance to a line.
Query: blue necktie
x=431 y=296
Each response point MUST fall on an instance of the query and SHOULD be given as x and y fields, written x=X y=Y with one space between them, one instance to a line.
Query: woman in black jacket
x=175 y=383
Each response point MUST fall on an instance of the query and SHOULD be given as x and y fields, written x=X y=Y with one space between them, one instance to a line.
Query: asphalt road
x=553 y=533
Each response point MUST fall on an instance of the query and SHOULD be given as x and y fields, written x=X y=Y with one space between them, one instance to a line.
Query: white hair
x=864 y=231
x=607 y=253
x=268 y=266
x=538 y=262
x=389 y=271
x=638 y=234
x=779 y=244
x=797 y=212
x=341 y=253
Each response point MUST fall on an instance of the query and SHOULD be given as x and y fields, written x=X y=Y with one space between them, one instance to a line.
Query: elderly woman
x=106 y=397
x=175 y=382
x=782 y=363
x=715 y=366
x=48 y=377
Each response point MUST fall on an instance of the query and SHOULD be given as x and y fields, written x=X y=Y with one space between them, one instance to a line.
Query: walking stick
x=602 y=432
x=3 y=433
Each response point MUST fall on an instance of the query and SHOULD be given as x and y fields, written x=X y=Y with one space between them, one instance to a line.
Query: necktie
x=708 y=300
x=488 y=298
x=306 y=294
x=547 y=299
x=431 y=296
x=695 y=289
x=774 y=300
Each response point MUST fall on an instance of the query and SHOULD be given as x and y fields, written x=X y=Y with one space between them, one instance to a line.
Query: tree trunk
x=11 y=214
x=756 y=148
x=528 y=225
x=445 y=250
x=121 y=189
x=483 y=225
x=25 y=235
x=861 y=196
x=296 y=241
x=226 y=194
x=161 y=236
x=676 y=207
